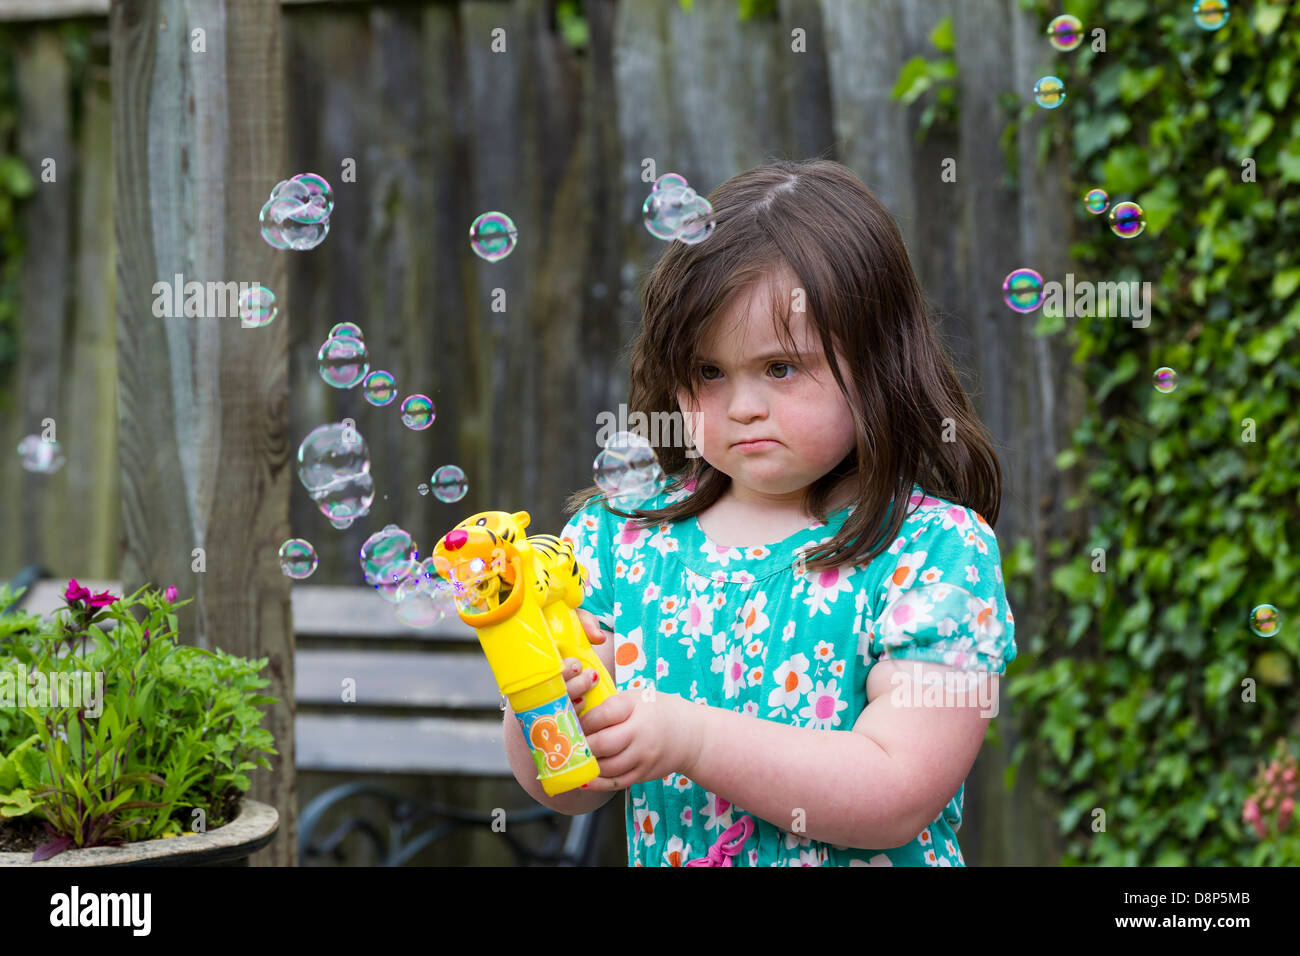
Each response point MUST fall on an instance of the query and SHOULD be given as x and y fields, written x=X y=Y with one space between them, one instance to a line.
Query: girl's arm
x=874 y=787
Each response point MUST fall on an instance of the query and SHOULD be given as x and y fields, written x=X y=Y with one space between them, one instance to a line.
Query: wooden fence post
x=198 y=143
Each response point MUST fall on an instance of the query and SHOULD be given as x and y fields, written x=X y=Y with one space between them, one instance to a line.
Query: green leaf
x=1268 y=17
x=942 y=36
x=1285 y=283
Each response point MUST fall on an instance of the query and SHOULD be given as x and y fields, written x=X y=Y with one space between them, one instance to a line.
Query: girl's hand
x=576 y=680
x=636 y=739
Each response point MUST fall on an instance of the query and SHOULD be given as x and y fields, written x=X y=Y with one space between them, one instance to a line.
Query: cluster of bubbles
x=334 y=467
x=448 y=484
x=1210 y=14
x=392 y=566
x=297 y=558
x=41 y=455
x=626 y=468
x=492 y=236
x=257 y=307
x=674 y=210
x=297 y=216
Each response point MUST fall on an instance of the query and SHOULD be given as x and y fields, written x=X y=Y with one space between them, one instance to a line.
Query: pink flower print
x=743 y=578
x=955 y=517
x=661 y=669
x=750 y=709
x=899 y=543
x=686 y=817
x=792 y=682
x=972 y=574
x=787 y=632
x=752 y=620
x=697 y=617
x=636 y=573
x=922 y=500
x=716 y=812
x=823 y=651
x=629 y=537
x=718 y=554
x=997 y=573
x=753 y=858
x=824 y=587
x=718 y=578
x=733 y=672
x=652 y=592
x=823 y=707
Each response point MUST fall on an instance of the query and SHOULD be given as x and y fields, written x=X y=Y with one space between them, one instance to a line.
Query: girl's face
x=772 y=421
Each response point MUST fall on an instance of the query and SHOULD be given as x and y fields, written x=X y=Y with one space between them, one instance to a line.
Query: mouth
x=755 y=444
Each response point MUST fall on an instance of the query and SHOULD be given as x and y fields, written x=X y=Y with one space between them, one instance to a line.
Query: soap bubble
x=417 y=412
x=449 y=484
x=698 y=222
x=668 y=181
x=969 y=626
x=342 y=523
x=282 y=227
x=1127 y=220
x=1022 y=290
x=1049 y=92
x=1265 y=621
x=1210 y=14
x=388 y=557
x=343 y=361
x=626 y=467
x=350 y=329
x=380 y=388
x=334 y=467
x=1096 y=201
x=416 y=608
x=1065 y=32
x=1166 y=380
x=41 y=455
x=318 y=190
x=668 y=210
x=257 y=307
x=493 y=236
x=297 y=558
x=422 y=488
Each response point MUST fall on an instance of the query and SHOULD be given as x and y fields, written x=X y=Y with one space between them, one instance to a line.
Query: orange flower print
x=931 y=575
x=823 y=651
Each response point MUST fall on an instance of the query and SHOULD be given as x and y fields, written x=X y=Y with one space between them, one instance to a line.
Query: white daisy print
x=697 y=616
x=823 y=707
x=972 y=574
x=792 y=682
x=636 y=573
x=651 y=593
x=931 y=575
x=717 y=554
x=732 y=670
x=629 y=655
x=787 y=632
x=824 y=587
x=752 y=620
x=646 y=823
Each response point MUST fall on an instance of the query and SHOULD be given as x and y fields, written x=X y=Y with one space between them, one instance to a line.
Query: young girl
x=766 y=716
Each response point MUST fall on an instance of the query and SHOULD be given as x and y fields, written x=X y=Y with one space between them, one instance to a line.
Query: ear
x=521 y=518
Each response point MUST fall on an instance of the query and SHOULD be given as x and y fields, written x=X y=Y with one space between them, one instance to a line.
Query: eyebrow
x=798 y=356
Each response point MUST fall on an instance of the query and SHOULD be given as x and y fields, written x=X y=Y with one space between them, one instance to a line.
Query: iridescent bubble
x=317 y=188
x=1210 y=14
x=291 y=189
x=1265 y=620
x=492 y=236
x=449 y=484
x=1049 y=92
x=334 y=467
x=666 y=211
x=282 y=230
x=388 y=556
x=1065 y=32
x=257 y=307
x=415 y=608
x=474 y=588
x=1096 y=201
x=380 y=388
x=626 y=440
x=343 y=361
x=342 y=523
x=1127 y=220
x=626 y=470
x=1166 y=380
x=668 y=181
x=417 y=412
x=41 y=455
x=422 y=488
x=969 y=626
x=350 y=329
x=297 y=558
x=698 y=223
x=1022 y=290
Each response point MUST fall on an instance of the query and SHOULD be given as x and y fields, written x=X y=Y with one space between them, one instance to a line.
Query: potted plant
x=115 y=740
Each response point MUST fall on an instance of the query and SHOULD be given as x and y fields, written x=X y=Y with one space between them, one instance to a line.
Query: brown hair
x=817 y=219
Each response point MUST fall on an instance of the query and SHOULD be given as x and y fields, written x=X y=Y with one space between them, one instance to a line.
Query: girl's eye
x=785 y=365
x=704 y=370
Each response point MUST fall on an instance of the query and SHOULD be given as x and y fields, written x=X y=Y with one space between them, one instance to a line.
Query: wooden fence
x=440 y=129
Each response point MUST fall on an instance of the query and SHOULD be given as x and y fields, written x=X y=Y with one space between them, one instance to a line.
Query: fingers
x=595 y=633
x=578 y=680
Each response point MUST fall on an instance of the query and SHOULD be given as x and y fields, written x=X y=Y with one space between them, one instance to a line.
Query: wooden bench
x=425 y=703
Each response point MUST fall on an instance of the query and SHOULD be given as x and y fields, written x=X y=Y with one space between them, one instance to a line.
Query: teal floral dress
x=747 y=629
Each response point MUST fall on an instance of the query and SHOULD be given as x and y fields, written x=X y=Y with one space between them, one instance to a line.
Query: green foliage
x=1131 y=694
x=177 y=727
x=921 y=75
x=15 y=184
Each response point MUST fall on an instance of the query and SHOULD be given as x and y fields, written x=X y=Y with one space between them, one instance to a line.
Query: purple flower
x=102 y=599
x=170 y=594
x=75 y=593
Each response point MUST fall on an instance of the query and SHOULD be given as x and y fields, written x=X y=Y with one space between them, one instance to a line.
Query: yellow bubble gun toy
x=520 y=594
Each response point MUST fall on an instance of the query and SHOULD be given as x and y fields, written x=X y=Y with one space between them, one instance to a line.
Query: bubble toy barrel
x=551 y=728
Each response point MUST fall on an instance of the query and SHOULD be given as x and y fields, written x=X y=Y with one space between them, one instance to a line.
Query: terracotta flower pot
x=228 y=845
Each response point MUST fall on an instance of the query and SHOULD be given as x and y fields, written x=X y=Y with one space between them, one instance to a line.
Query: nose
x=456 y=539
x=746 y=402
